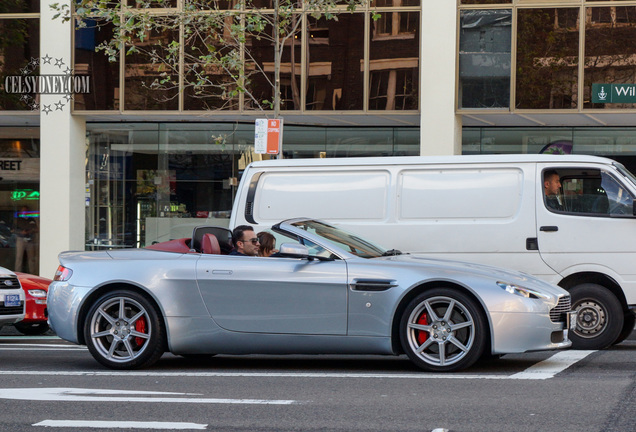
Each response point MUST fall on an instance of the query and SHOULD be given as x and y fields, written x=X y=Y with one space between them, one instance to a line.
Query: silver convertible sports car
x=327 y=292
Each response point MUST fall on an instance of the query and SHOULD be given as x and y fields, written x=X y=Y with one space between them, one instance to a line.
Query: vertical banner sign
x=268 y=136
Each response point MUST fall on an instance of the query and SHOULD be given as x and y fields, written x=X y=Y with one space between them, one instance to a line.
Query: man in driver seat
x=245 y=241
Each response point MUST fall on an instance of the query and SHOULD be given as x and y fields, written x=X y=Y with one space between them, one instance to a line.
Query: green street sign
x=613 y=93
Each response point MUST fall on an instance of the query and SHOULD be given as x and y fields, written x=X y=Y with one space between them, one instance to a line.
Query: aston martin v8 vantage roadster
x=326 y=291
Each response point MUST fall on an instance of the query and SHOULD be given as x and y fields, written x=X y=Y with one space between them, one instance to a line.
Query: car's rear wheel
x=123 y=330
x=443 y=330
x=599 y=319
x=32 y=329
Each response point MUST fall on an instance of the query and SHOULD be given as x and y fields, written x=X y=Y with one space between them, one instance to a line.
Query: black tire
x=123 y=330
x=32 y=329
x=628 y=328
x=599 y=317
x=443 y=330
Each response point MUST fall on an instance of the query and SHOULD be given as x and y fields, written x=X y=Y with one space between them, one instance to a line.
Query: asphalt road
x=48 y=383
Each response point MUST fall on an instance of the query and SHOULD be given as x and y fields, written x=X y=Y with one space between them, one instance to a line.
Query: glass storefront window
x=547 y=58
x=515 y=140
x=211 y=87
x=19 y=6
x=104 y=74
x=608 y=142
x=357 y=143
x=150 y=182
x=610 y=43
x=484 y=58
x=151 y=74
x=20 y=199
x=19 y=46
x=145 y=4
x=484 y=2
x=335 y=52
x=261 y=67
x=394 y=62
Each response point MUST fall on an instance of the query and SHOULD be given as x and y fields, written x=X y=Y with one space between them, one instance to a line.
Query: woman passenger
x=267 y=242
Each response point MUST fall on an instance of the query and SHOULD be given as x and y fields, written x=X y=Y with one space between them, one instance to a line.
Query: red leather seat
x=210 y=244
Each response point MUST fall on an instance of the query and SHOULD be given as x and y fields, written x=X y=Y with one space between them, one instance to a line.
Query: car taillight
x=62 y=274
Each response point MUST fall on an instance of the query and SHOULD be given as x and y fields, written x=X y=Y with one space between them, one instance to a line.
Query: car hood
x=483 y=270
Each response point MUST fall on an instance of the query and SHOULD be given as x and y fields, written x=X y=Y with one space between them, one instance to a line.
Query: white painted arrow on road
x=106 y=395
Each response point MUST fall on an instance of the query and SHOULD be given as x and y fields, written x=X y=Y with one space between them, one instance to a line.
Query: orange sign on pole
x=268 y=136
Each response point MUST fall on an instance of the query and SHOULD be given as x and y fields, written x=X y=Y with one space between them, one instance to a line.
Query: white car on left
x=11 y=298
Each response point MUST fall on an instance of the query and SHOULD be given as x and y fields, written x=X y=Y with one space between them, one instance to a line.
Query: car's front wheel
x=443 y=330
x=123 y=330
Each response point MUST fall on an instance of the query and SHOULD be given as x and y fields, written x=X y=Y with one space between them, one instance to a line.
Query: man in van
x=552 y=188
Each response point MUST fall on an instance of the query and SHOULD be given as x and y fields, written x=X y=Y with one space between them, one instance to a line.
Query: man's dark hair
x=549 y=173
x=237 y=234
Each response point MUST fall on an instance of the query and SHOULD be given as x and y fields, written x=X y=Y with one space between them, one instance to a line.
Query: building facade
x=107 y=159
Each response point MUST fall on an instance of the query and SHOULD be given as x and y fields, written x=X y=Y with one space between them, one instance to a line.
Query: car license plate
x=12 y=300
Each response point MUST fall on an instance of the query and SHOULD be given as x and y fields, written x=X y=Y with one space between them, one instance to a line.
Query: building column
x=62 y=150
x=440 y=127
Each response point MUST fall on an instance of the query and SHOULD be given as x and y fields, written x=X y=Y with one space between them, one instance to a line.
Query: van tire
x=427 y=324
x=628 y=328
x=600 y=317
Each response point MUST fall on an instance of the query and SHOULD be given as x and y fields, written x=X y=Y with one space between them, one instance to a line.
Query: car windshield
x=342 y=239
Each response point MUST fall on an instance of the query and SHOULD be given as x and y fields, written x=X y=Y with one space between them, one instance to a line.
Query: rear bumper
x=63 y=303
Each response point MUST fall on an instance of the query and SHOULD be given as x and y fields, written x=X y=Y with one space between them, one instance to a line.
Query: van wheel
x=628 y=327
x=599 y=317
x=443 y=330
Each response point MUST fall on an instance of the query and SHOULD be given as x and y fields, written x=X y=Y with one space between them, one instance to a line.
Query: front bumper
x=523 y=332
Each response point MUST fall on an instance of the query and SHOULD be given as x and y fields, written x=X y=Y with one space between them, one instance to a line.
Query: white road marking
x=30 y=338
x=106 y=395
x=121 y=424
x=551 y=366
x=40 y=347
x=543 y=370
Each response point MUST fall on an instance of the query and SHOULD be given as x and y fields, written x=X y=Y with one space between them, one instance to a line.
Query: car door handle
x=549 y=228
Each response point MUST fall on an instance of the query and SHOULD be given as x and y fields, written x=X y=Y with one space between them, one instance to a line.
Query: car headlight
x=521 y=291
x=37 y=293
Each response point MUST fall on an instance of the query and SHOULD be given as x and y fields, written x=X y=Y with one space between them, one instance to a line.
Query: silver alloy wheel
x=120 y=329
x=441 y=331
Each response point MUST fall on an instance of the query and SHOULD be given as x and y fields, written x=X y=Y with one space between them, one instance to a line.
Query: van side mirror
x=293 y=250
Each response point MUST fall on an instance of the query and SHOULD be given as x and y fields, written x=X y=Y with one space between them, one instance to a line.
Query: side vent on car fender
x=372 y=284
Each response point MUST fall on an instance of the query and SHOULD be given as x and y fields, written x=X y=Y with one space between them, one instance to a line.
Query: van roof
x=417 y=160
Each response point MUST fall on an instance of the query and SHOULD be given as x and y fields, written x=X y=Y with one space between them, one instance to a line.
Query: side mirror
x=293 y=250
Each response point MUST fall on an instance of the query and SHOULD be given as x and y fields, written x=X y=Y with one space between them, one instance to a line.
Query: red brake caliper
x=422 y=335
x=140 y=326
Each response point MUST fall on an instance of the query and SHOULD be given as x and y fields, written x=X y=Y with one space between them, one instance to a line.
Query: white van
x=484 y=209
